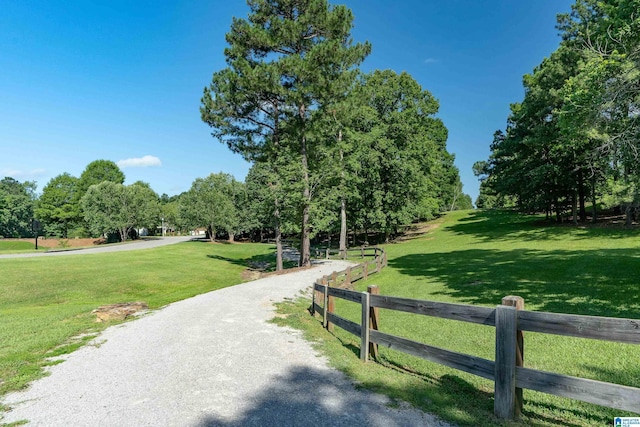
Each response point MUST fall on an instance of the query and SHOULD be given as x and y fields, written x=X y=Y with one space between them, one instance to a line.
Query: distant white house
x=201 y=231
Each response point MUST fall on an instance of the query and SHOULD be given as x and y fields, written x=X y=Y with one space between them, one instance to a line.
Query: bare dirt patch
x=417 y=230
x=255 y=274
x=119 y=311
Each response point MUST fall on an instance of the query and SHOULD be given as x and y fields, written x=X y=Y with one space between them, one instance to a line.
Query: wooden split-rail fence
x=510 y=321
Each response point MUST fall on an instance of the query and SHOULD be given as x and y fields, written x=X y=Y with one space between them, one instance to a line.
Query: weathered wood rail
x=510 y=320
x=375 y=260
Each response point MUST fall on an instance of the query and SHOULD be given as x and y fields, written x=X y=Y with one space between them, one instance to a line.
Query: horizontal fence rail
x=599 y=328
x=510 y=320
x=465 y=313
x=463 y=362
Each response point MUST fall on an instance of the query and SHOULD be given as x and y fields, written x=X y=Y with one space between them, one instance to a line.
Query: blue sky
x=122 y=80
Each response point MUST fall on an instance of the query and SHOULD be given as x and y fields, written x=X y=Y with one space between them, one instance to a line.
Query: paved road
x=132 y=246
x=211 y=360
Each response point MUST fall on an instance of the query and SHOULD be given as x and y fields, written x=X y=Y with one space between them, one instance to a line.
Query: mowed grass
x=477 y=257
x=12 y=246
x=47 y=301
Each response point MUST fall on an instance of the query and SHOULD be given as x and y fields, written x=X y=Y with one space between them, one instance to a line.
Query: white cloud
x=139 y=162
x=22 y=174
x=430 y=61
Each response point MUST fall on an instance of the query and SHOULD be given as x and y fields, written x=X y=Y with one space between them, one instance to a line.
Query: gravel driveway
x=211 y=360
x=130 y=246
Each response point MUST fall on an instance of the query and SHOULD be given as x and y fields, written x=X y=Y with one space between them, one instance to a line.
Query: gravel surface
x=130 y=246
x=211 y=360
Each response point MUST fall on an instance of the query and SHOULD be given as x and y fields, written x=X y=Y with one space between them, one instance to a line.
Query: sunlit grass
x=478 y=258
x=46 y=301
x=11 y=246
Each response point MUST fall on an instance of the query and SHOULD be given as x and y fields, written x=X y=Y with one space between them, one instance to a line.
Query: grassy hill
x=477 y=257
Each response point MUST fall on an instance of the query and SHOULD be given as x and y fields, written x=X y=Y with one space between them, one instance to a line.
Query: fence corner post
x=325 y=316
x=374 y=319
x=504 y=404
x=331 y=303
x=314 y=295
x=364 y=330
x=518 y=303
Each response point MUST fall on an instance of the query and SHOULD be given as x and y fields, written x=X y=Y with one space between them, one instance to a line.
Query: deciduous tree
x=111 y=207
x=58 y=206
x=210 y=203
x=17 y=201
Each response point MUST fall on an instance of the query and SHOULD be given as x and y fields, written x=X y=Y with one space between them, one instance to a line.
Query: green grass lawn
x=46 y=302
x=13 y=246
x=477 y=257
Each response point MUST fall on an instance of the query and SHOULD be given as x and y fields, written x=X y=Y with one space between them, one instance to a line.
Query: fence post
x=518 y=303
x=331 y=303
x=374 y=319
x=504 y=404
x=347 y=279
x=365 y=266
x=364 y=330
x=327 y=256
x=384 y=258
x=313 y=300
x=378 y=263
x=362 y=252
x=325 y=317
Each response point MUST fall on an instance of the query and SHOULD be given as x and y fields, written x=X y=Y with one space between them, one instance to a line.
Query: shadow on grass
x=263 y=263
x=489 y=225
x=461 y=402
x=594 y=282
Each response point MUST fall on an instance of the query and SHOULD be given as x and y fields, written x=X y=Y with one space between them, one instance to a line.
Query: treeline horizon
x=574 y=140
x=332 y=148
x=335 y=147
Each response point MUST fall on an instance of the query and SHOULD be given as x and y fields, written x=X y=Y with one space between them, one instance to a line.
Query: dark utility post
x=35 y=227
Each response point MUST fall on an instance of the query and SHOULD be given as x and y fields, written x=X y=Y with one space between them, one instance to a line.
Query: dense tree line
x=332 y=148
x=574 y=140
x=95 y=204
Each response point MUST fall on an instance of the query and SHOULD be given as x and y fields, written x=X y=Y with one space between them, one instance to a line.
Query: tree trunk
x=305 y=243
x=574 y=208
x=276 y=226
x=231 y=236
x=594 y=219
x=212 y=234
x=628 y=215
x=456 y=192
x=343 y=227
x=582 y=197
x=343 y=205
